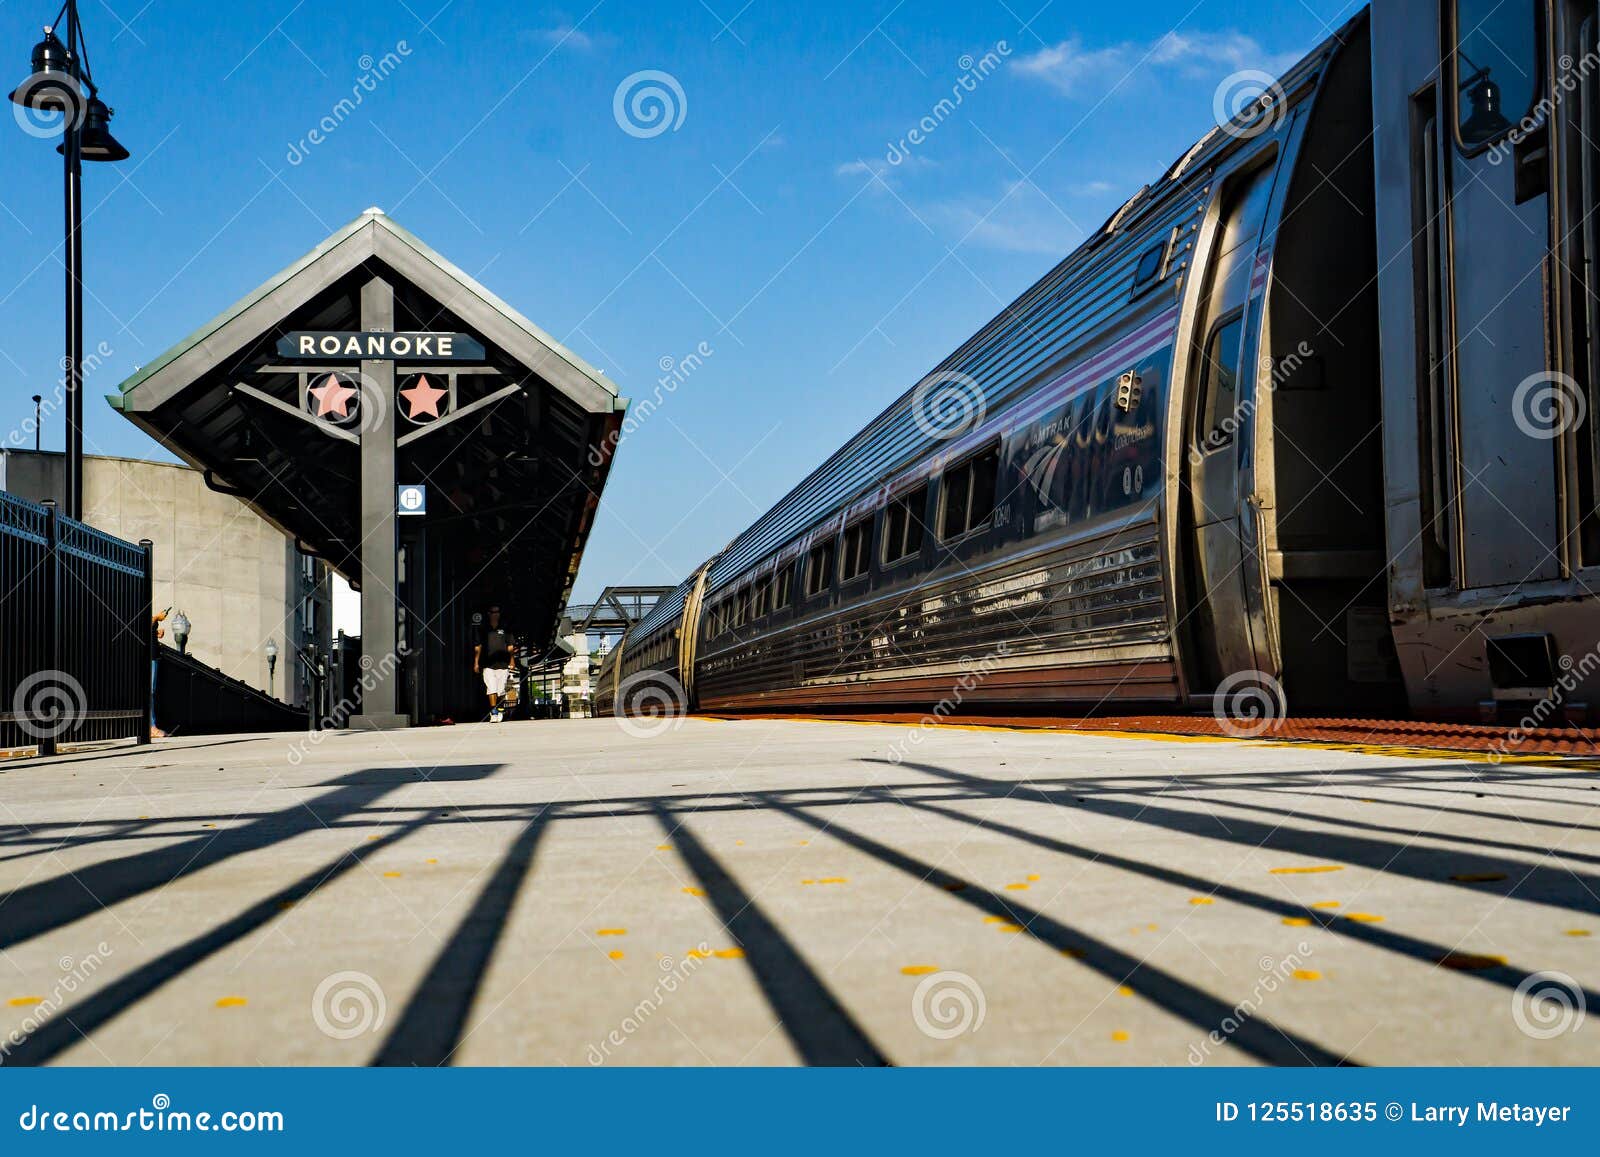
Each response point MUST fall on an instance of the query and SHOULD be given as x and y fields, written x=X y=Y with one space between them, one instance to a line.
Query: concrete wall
x=215 y=560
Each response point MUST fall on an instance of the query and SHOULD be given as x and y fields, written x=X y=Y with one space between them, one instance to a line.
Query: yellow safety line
x=1391 y=750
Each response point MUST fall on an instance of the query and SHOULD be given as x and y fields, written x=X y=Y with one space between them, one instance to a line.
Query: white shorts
x=494 y=680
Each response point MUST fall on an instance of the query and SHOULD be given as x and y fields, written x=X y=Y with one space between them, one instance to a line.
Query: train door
x=1503 y=481
x=1227 y=618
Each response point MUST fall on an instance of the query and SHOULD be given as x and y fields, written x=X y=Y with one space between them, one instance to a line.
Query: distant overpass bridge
x=615 y=611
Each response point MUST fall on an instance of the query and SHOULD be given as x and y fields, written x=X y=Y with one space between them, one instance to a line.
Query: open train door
x=1227 y=624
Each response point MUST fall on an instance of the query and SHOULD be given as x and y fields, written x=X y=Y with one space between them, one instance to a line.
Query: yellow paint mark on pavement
x=1576 y=932
x=918 y=969
x=694 y=892
x=1018 y=887
x=1034 y=876
x=232 y=1002
x=1326 y=904
x=1201 y=900
x=1008 y=928
x=663 y=847
x=610 y=931
x=1363 y=917
x=1306 y=974
x=615 y=954
x=729 y=954
x=430 y=861
x=1124 y=990
x=1119 y=1036
x=1306 y=871
x=24 y=1001
x=1297 y=921
x=391 y=875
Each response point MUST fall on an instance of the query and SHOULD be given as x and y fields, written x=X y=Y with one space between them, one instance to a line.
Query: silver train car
x=1310 y=418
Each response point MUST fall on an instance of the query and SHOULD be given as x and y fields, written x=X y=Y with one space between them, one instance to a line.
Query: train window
x=968 y=494
x=819 y=568
x=1219 y=413
x=741 y=607
x=903 y=527
x=857 y=553
x=1497 y=67
x=1149 y=267
x=763 y=597
x=782 y=586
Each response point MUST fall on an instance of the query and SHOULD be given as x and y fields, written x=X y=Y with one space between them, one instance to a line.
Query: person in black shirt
x=492 y=657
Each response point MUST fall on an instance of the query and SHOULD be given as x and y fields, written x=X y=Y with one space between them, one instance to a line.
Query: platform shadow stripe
x=818 y=1026
x=1259 y=1037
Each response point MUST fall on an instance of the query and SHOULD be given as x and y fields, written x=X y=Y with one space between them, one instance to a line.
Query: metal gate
x=75 y=632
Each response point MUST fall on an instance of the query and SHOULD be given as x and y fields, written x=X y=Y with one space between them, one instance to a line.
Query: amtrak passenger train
x=1312 y=417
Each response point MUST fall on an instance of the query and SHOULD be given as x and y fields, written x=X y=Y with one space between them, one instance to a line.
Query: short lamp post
x=180 y=632
x=60 y=85
x=272 y=665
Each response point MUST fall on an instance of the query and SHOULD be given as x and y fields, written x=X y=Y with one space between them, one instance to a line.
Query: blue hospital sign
x=411 y=500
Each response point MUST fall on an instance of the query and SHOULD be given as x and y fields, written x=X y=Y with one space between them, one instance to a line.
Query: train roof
x=1082 y=299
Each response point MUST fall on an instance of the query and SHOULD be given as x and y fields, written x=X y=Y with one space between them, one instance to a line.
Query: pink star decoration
x=422 y=398
x=332 y=397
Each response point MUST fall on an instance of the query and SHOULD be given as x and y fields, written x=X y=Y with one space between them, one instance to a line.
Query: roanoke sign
x=369 y=345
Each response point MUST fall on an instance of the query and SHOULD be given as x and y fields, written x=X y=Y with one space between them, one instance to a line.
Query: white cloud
x=1075 y=70
x=1021 y=219
x=566 y=36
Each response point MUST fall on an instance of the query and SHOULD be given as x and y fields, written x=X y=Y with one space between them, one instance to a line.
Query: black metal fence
x=75 y=637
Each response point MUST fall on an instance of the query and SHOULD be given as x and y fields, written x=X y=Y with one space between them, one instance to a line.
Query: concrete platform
x=770 y=892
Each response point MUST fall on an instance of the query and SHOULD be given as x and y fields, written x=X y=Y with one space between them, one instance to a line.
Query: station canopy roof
x=520 y=463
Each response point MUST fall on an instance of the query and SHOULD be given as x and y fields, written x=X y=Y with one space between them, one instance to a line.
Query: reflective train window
x=763 y=597
x=1149 y=266
x=857 y=554
x=782 y=584
x=967 y=494
x=902 y=526
x=1219 y=415
x=1497 y=67
x=819 y=568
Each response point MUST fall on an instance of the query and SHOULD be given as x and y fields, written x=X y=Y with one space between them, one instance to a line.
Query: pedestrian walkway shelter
x=438 y=449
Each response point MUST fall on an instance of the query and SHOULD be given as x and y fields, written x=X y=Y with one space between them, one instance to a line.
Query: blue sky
x=785 y=223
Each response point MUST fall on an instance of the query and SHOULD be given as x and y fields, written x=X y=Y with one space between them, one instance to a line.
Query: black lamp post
x=38 y=420
x=272 y=666
x=61 y=83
